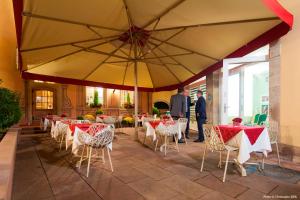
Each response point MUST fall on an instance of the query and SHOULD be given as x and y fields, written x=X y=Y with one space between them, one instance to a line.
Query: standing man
x=178 y=106
x=200 y=115
x=188 y=103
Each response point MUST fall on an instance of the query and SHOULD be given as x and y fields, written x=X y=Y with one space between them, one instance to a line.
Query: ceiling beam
x=29 y=14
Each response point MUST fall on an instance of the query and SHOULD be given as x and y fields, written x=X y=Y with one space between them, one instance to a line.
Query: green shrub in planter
x=80 y=118
x=99 y=112
x=10 y=111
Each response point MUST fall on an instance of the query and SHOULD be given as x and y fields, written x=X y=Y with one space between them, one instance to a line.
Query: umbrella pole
x=136 y=100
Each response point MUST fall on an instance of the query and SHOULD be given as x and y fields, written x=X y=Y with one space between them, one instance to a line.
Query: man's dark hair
x=199 y=91
x=180 y=90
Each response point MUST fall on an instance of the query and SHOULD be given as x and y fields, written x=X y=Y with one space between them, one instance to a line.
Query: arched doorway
x=161 y=106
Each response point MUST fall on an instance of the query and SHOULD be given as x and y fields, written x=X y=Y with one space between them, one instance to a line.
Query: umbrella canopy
x=171 y=42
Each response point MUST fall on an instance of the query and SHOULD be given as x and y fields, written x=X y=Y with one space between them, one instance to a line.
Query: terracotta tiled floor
x=42 y=172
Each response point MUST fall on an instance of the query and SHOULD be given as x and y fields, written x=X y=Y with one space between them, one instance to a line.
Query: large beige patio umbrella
x=151 y=44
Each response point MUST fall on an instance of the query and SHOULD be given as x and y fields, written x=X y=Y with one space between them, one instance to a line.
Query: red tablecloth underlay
x=229 y=131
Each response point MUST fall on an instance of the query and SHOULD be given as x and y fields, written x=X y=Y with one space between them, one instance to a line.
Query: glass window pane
x=233 y=95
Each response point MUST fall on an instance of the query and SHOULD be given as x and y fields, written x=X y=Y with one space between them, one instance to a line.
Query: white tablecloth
x=242 y=141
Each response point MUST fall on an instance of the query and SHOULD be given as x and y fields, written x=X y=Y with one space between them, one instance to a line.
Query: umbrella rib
x=98 y=34
x=150 y=75
x=179 y=63
x=218 y=23
x=65 y=44
x=180 y=47
x=129 y=17
x=169 y=38
x=127 y=65
x=104 y=53
x=29 y=14
x=108 y=56
x=66 y=55
x=125 y=72
x=166 y=11
x=179 y=54
x=163 y=64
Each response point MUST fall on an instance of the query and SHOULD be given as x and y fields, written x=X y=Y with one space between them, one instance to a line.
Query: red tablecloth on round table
x=155 y=123
x=229 y=131
x=83 y=127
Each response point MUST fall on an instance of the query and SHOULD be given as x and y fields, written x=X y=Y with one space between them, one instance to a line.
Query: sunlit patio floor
x=42 y=172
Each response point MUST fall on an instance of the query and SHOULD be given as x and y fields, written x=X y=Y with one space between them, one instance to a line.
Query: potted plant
x=155 y=111
x=95 y=103
x=99 y=112
x=128 y=121
x=10 y=111
x=128 y=104
x=80 y=118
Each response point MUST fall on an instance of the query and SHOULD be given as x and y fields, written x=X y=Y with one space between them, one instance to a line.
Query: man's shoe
x=198 y=140
x=181 y=141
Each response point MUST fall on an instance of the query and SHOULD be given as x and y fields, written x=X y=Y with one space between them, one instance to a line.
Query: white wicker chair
x=183 y=124
x=164 y=132
x=214 y=142
x=62 y=129
x=273 y=130
x=109 y=120
x=96 y=139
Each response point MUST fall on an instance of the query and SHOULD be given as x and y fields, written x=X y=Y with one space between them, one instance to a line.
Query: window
x=193 y=94
x=90 y=93
x=44 y=100
x=127 y=97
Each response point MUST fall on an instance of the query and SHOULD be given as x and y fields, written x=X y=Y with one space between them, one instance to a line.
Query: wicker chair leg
x=66 y=143
x=109 y=158
x=89 y=161
x=277 y=151
x=184 y=137
x=156 y=143
x=165 y=145
x=220 y=161
x=176 y=143
x=203 y=157
x=103 y=157
x=81 y=158
x=144 y=139
x=61 y=141
x=226 y=165
x=263 y=162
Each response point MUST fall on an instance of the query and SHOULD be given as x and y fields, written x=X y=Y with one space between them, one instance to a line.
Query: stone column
x=274 y=81
x=81 y=100
x=66 y=102
x=212 y=97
